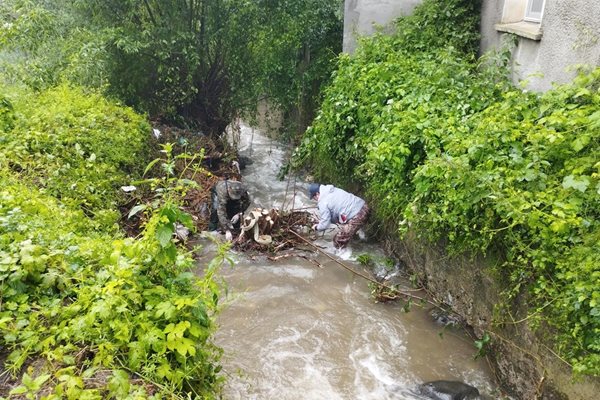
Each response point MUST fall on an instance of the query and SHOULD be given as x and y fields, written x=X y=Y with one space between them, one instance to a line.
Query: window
x=535 y=9
x=523 y=18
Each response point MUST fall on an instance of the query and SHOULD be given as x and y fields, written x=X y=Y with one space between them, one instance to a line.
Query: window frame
x=534 y=17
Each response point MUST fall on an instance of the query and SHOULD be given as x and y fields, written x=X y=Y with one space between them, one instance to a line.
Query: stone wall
x=472 y=286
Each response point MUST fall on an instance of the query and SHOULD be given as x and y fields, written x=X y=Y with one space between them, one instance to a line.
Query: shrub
x=75 y=145
x=112 y=317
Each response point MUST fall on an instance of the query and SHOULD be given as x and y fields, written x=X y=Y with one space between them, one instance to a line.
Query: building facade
x=362 y=17
x=553 y=36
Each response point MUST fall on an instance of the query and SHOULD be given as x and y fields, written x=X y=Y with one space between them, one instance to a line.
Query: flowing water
x=297 y=329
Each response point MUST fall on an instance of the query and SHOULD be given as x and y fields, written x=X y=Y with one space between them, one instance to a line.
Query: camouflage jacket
x=228 y=207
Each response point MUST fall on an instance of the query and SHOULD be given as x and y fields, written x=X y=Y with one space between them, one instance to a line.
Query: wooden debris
x=263 y=230
x=271 y=231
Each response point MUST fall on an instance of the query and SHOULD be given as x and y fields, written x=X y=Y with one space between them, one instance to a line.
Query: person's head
x=235 y=190
x=313 y=190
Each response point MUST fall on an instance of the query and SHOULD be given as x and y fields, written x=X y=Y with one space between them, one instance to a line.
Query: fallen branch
x=271 y=231
x=381 y=285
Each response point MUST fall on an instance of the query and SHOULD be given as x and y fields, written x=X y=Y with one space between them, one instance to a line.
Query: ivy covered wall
x=450 y=153
x=569 y=34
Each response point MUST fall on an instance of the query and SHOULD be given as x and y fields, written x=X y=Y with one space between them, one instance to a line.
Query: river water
x=295 y=329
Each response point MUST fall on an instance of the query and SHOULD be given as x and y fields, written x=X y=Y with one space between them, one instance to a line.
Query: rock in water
x=449 y=390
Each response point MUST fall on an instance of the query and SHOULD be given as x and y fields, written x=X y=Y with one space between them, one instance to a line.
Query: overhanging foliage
x=197 y=62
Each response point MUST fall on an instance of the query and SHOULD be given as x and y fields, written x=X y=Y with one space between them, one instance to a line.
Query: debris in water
x=271 y=230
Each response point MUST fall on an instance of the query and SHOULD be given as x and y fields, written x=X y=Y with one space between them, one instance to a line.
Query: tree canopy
x=194 y=61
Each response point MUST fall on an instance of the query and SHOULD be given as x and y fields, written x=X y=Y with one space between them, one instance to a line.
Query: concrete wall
x=570 y=36
x=362 y=16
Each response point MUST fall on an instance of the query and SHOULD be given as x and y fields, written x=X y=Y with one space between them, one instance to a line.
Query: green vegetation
x=440 y=141
x=298 y=52
x=198 y=63
x=76 y=145
x=85 y=312
x=445 y=147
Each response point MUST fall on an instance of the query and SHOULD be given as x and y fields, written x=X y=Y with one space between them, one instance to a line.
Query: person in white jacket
x=337 y=206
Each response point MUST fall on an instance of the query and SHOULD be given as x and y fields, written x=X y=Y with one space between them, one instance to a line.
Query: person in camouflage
x=229 y=199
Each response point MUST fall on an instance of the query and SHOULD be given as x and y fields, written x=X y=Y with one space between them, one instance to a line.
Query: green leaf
x=156 y=339
x=167 y=254
x=150 y=165
x=40 y=380
x=18 y=390
x=183 y=346
x=164 y=233
x=136 y=209
x=176 y=331
x=136 y=354
x=189 y=182
x=171 y=212
x=182 y=302
x=27 y=381
x=119 y=384
x=595 y=119
x=580 y=143
x=200 y=313
x=164 y=370
x=581 y=183
x=187 y=220
x=168 y=168
x=166 y=309
x=559 y=226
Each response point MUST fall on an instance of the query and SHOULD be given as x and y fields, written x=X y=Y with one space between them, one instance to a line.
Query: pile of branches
x=261 y=230
x=271 y=231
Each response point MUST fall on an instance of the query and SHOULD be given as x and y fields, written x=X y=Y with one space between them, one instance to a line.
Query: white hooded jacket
x=336 y=206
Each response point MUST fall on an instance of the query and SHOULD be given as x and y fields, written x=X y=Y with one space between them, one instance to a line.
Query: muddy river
x=295 y=329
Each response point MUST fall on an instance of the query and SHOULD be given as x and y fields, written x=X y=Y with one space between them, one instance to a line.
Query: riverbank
x=85 y=311
x=523 y=363
x=456 y=160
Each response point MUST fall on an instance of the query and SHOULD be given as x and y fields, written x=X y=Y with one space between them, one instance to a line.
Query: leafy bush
x=101 y=316
x=76 y=146
x=445 y=147
x=6 y=114
x=68 y=291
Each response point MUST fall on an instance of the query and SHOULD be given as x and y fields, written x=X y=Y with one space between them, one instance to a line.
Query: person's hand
x=314 y=227
x=228 y=236
x=236 y=218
